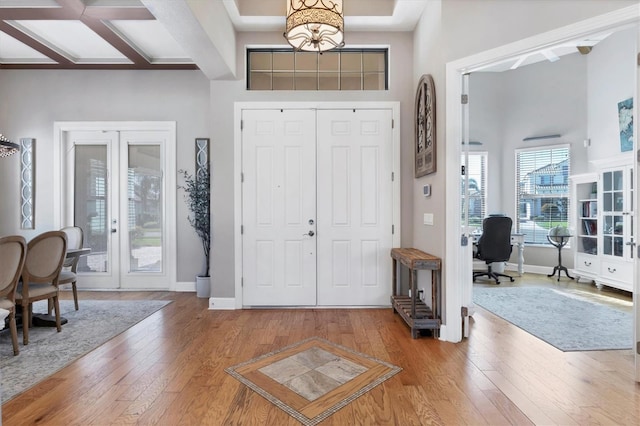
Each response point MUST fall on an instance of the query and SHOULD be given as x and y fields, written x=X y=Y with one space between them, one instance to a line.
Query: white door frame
x=453 y=273
x=237 y=167
x=60 y=128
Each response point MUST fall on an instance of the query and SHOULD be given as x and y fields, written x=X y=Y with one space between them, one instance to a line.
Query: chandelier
x=7 y=147
x=314 y=25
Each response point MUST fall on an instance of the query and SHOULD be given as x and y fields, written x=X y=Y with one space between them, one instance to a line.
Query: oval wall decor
x=425 y=127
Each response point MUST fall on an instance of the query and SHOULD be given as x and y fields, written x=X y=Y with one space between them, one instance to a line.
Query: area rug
x=312 y=379
x=565 y=320
x=48 y=351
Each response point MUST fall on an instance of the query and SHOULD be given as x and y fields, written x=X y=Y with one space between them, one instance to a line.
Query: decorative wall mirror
x=425 y=127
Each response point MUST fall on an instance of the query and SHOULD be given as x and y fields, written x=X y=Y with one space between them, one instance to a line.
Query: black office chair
x=494 y=245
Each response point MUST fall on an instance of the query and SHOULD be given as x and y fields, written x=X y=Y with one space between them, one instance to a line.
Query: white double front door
x=317 y=208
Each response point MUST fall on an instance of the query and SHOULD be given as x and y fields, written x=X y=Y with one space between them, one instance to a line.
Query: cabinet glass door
x=617 y=220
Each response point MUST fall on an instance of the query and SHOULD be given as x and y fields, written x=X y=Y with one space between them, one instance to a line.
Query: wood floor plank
x=169 y=370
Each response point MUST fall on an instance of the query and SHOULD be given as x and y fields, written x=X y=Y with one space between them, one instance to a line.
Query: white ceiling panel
x=14 y=51
x=71 y=38
x=152 y=38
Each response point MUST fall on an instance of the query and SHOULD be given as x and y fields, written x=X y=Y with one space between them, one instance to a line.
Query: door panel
x=93 y=204
x=143 y=227
x=278 y=196
x=354 y=207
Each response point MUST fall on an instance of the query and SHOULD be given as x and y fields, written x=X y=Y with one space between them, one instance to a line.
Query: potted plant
x=197 y=196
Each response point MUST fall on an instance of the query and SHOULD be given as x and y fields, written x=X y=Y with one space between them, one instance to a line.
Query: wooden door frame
x=237 y=168
x=61 y=215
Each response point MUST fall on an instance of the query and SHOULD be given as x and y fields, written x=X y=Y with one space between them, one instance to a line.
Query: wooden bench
x=413 y=310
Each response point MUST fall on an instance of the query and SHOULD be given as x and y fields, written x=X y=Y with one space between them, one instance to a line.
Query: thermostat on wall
x=426 y=190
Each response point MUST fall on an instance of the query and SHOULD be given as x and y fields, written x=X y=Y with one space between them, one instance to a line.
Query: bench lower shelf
x=424 y=318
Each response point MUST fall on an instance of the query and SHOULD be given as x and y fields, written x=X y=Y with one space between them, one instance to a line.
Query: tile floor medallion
x=312 y=379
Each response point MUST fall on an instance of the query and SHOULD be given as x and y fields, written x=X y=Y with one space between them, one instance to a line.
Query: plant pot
x=203 y=286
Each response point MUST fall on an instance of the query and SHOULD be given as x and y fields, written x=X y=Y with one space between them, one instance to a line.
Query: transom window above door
x=344 y=69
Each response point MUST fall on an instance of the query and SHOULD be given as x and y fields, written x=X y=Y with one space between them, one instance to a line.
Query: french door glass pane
x=91 y=205
x=144 y=193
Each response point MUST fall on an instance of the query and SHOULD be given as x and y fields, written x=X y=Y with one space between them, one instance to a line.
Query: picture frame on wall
x=425 y=127
x=625 y=120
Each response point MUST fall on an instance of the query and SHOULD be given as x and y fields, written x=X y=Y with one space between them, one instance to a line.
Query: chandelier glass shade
x=7 y=147
x=314 y=25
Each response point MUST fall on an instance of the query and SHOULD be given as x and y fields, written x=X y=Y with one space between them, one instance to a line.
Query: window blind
x=477 y=174
x=542 y=191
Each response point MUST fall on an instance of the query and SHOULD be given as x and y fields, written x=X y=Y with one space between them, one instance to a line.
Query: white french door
x=317 y=207
x=115 y=188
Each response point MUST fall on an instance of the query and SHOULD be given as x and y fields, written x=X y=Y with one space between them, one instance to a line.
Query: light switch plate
x=428 y=218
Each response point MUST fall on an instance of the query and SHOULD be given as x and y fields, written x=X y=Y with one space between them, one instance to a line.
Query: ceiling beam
x=34 y=13
x=73 y=10
x=75 y=7
x=74 y=66
x=215 y=56
x=119 y=13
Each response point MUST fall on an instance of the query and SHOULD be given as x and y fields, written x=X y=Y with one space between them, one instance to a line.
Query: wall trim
x=222 y=303
x=185 y=287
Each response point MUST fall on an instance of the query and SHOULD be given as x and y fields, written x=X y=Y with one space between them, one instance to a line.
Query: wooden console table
x=413 y=310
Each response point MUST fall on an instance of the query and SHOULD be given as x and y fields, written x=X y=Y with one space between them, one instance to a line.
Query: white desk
x=518 y=240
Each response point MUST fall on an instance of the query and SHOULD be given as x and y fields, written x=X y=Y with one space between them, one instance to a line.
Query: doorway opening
x=459 y=297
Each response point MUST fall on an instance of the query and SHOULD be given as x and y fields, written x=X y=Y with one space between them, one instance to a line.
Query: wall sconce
x=7 y=147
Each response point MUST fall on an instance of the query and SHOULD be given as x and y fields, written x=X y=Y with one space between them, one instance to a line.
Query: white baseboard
x=185 y=286
x=222 y=303
x=533 y=269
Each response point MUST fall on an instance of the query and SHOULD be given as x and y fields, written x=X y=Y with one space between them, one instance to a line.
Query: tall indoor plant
x=197 y=196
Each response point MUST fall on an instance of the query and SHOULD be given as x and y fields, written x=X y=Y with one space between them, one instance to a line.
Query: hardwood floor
x=169 y=370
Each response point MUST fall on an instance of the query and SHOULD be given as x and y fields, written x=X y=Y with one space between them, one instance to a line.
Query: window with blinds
x=476 y=170
x=542 y=191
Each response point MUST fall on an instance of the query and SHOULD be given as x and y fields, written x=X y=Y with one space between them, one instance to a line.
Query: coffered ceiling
x=183 y=34
x=125 y=34
x=76 y=34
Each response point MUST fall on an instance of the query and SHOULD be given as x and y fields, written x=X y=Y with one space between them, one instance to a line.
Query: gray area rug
x=566 y=321
x=96 y=322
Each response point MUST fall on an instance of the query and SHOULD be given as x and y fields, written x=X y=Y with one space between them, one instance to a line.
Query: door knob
x=311 y=234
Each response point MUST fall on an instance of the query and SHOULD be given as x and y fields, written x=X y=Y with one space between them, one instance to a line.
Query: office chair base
x=492 y=275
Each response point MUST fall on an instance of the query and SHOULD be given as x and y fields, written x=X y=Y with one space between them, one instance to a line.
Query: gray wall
x=224 y=94
x=33 y=99
x=612 y=78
